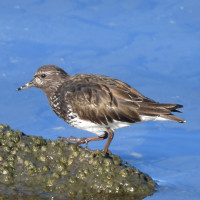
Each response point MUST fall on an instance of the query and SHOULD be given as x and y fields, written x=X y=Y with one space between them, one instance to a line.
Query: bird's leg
x=79 y=141
x=90 y=139
x=110 y=137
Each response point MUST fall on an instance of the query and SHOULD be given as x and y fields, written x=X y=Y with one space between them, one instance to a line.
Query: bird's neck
x=54 y=86
x=51 y=90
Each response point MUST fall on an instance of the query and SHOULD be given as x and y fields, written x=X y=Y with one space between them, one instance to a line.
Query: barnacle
x=63 y=170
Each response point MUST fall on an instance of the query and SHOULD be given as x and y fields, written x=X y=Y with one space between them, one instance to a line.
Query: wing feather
x=102 y=99
x=101 y=103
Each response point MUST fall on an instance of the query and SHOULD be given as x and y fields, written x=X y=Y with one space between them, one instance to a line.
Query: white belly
x=98 y=129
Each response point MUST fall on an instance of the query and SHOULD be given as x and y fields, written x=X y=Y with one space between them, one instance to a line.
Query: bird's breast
x=55 y=104
x=62 y=109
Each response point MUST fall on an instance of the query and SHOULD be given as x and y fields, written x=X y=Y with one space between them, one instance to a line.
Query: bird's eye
x=43 y=75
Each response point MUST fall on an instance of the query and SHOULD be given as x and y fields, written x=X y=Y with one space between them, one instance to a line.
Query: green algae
x=33 y=166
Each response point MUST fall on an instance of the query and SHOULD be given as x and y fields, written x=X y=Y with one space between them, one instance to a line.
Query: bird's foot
x=77 y=141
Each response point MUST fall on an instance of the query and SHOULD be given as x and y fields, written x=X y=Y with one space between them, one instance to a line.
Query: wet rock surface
x=34 y=167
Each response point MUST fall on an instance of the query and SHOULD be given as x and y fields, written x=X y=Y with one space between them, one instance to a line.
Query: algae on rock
x=31 y=165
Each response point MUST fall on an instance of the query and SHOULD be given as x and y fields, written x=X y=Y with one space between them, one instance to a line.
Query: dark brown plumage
x=99 y=104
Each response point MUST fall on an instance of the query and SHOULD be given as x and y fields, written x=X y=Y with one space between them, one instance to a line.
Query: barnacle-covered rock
x=40 y=168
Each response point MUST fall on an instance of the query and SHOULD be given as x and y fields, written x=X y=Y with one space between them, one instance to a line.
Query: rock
x=39 y=168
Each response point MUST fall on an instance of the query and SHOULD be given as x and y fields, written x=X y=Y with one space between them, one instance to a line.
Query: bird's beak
x=27 y=85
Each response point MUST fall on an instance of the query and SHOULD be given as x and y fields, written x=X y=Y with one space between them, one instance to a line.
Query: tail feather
x=169 y=106
x=172 y=117
x=162 y=110
x=173 y=107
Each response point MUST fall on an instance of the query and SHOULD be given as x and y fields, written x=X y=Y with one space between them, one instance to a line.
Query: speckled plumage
x=96 y=103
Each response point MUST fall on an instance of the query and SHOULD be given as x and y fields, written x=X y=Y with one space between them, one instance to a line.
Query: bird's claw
x=77 y=141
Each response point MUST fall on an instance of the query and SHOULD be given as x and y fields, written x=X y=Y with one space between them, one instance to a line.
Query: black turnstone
x=98 y=104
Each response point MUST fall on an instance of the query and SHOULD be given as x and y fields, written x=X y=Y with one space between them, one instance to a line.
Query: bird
x=97 y=103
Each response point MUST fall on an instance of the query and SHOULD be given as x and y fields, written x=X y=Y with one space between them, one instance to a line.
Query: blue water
x=152 y=45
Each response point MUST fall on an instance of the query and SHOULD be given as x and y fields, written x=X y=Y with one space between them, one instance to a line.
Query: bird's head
x=48 y=78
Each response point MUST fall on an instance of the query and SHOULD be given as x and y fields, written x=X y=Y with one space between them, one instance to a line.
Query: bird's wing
x=102 y=101
x=129 y=98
